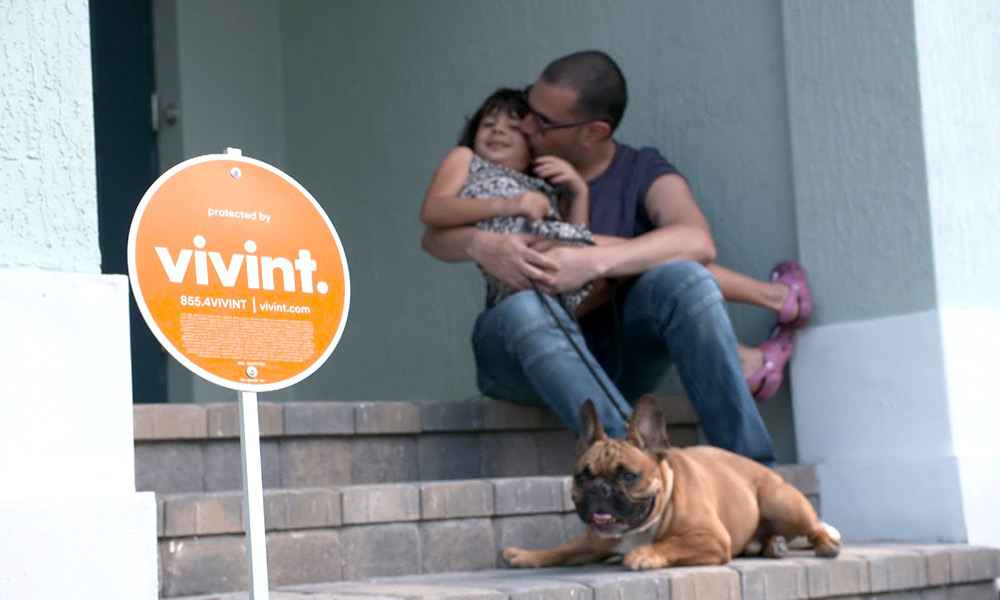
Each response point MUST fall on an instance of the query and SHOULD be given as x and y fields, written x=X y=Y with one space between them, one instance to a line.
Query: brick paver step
x=886 y=572
x=358 y=531
x=160 y=422
x=195 y=448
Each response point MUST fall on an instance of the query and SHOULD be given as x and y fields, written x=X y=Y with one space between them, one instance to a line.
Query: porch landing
x=885 y=572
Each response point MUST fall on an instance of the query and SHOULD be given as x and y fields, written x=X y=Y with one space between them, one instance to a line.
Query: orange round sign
x=238 y=272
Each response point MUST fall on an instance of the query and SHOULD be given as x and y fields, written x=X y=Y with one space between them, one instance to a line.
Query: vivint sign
x=239 y=272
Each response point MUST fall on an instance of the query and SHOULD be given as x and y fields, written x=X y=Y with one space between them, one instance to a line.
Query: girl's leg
x=737 y=287
x=751 y=359
x=763 y=370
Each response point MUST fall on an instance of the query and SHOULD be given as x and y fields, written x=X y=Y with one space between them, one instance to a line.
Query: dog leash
x=576 y=347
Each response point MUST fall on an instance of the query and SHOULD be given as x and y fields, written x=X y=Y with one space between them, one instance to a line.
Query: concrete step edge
x=352 y=532
x=285 y=509
x=221 y=513
x=166 y=422
x=885 y=570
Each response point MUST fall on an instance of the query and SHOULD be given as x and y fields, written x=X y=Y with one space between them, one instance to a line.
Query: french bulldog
x=659 y=506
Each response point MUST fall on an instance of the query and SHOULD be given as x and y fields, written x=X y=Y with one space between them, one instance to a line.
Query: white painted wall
x=66 y=419
x=958 y=51
x=48 y=208
x=871 y=412
x=92 y=548
x=72 y=523
x=74 y=526
x=872 y=388
x=895 y=138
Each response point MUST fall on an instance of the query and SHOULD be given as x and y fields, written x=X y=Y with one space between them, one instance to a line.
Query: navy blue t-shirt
x=618 y=195
x=618 y=208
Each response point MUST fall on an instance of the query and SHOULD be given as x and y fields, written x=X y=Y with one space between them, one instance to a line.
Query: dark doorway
x=121 y=39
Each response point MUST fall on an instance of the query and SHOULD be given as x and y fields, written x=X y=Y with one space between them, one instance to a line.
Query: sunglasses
x=546 y=124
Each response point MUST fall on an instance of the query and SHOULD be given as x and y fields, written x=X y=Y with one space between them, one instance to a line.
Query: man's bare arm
x=681 y=233
x=507 y=256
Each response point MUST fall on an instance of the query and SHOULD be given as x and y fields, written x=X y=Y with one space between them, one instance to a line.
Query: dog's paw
x=645 y=557
x=827 y=543
x=827 y=549
x=754 y=548
x=517 y=557
x=776 y=547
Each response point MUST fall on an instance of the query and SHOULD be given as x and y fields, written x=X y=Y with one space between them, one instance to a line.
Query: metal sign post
x=253 y=495
x=241 y=276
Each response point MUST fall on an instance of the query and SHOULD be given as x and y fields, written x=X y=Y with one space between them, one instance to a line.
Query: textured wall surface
x=230 y=60
x=959 y=56
x=219 y=63
x=895 y=138
x=376 y=94
x=65 y=415
x=64 y=363
x=48 y=206
x=860 y=183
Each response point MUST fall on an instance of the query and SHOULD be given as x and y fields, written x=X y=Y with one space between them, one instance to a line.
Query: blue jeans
x=673 y=313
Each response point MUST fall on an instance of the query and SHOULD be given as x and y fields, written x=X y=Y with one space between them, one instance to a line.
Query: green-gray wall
x=374 y=94
x=859 y=157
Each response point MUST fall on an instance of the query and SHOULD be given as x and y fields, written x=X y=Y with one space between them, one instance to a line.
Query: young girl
x=491 y=181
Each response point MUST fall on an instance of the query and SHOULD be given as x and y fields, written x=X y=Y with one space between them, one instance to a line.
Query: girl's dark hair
x=506 y=99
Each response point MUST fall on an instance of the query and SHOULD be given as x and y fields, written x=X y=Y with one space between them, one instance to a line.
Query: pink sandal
x=798 y=306
x=776 y=351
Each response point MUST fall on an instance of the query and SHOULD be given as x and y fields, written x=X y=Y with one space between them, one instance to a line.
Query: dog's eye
x=582 y=477
x=628 y=476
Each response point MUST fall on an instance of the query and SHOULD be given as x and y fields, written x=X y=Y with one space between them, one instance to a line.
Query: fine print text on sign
x=239 y=272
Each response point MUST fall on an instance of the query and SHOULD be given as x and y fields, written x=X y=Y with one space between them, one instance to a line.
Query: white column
x=958 y=47
x=72 y=522
x=895 y=138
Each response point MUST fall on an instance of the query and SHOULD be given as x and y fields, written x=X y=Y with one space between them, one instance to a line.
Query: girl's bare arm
x=443 y=207
x=560 y=173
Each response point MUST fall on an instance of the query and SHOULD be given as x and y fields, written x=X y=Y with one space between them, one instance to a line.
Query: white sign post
x=241 y=276
x=253 y=494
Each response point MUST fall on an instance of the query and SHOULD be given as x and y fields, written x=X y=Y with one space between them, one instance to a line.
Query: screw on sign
x=239 y=272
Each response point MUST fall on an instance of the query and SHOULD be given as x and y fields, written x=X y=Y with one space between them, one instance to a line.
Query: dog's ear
x=647 y=430
x=590 y=427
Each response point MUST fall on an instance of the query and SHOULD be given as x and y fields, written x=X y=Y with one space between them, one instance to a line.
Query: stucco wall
x=228 y=55
x=48 y=206
x=373 y=95
x=894 y=134
x=854 y=107
x=219 y=63
x=959 y=58
x=66 y=412
x=376 y=94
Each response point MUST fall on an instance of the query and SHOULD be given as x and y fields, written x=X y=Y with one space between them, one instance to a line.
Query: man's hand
x=511 y=259
x=574 y=266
